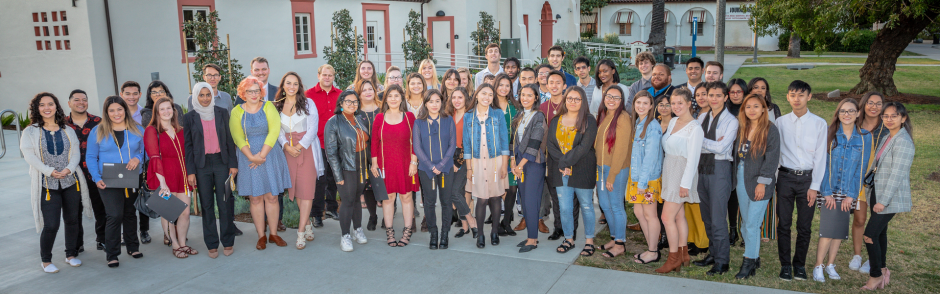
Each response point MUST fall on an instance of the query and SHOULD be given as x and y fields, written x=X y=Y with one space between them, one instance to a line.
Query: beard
x=659 y=84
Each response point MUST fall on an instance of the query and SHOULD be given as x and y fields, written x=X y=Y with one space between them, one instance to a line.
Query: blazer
x=580 y=158
x=32 y=153
x=107 y=150
x=892 y=185
x=532 y=144
x=435 y=148
x=760 y=170
x=194 y=140
x=340 y=146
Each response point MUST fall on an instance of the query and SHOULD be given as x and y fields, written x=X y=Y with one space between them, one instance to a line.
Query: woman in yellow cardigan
x=262 y=174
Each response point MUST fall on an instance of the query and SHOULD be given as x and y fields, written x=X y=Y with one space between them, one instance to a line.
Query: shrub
x=851 y=41
x=346 y=50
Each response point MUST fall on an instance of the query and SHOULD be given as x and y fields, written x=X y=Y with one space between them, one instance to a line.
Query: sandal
x=616 y=243
x=589 y=249
x=189 y=250
x=301 y=240
x=406 y=236
x=166 y=240
x=602 y=221
x=641 y=261
x=564 y=247
x=135 y=254
x=390 y=234
x=180 y=253
x=604 y=247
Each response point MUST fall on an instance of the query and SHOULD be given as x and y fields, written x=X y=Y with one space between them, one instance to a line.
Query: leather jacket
x=340 y=139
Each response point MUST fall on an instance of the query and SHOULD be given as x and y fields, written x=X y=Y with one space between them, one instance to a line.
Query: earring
x=340 y=109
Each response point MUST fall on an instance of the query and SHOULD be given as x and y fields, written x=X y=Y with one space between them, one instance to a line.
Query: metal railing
x=3 y=140
x=621 y=50
x=444 y=60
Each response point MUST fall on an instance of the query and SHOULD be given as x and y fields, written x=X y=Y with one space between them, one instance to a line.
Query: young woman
x=645 y=183
x=612 y=147
x=697 y=237
x=347 y=148
x=663 y=113
x=155 y=91
x=737 y=90
x=210 y=161
x=434 y=145
x=571 y=159
x=56 y=182
x=256 y=125
x=505 y=100
x=768 y=230
x=393 y=76
x=849 y=155
x=118 y=139
x=414 y=97
x=486 y=150
x=365 y=71
x=869 y=120
x=393 y=159
x=457 y=107
x=450 y=82
x=606 y=77
x=890 y=193
x=701 y=106
x=369 y=107
x=166 y=171
x=682 y=143
x=298 y=136
x=429 y=74
x=466 y=79
x=755 y=162
x=528 y=152
x=761 y=87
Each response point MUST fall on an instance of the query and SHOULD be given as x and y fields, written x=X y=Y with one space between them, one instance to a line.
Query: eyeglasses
x=737 y=92
x=212 y=76
x=574 y=100
x=663 y=105
x=542 y=74
x=253 y=91
x=581 y=67
x=870 y=103
x=394 y=78
x=350 y=102
x=889 y=116
x=612 y=97
x=850 y=111
x=161 y=92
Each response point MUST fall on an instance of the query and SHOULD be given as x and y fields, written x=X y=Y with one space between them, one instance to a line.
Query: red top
x=391 y=145
x=550 y=109
x=166 y=158
x=326 y=104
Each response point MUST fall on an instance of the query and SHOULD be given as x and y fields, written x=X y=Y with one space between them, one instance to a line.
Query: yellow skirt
x=652 y=192
x=693 y=217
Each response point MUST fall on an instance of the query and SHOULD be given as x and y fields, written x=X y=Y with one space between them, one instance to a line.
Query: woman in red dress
x=394 y=160
x=166 y=172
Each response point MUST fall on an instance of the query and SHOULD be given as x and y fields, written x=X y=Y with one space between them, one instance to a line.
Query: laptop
x=116 y=175
x=167 y=206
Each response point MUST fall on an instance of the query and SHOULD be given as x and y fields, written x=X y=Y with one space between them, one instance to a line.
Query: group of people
x=692 y=159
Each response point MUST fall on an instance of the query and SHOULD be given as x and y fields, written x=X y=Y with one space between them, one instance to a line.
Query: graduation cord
x=440 y=146
x=43 y=160
x=361 y=156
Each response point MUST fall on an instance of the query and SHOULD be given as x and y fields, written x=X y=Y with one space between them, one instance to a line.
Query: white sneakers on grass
x=831 y=271
x=856 y=263
x=865 y=267
x=345 y=243
x=360 y=236
x=818 y=274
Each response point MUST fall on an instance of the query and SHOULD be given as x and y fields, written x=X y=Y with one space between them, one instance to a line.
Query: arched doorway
x=548 y=22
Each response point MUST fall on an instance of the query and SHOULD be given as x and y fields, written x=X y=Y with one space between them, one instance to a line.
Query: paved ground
x=321 y=267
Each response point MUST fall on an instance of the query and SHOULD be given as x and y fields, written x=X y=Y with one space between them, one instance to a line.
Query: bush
x=852 y=41
x=572 y=51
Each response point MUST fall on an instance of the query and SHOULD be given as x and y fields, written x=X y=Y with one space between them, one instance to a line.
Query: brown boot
x=635 y=227
x=520 y=227
x=684 y=251
x=542 y=228
x=673 y=263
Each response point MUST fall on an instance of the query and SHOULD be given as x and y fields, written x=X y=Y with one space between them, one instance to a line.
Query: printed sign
x=735 y=13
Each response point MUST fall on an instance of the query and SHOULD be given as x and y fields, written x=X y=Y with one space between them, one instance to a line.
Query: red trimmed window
x=58 y=45
x=304 y=41
x=62 y=14
x=191 y=10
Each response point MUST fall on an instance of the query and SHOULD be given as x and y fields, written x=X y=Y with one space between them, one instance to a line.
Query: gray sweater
x=761 y=169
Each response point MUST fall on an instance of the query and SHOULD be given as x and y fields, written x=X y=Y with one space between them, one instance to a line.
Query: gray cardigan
x=759 y=170
x=532 y=144
x=893 y=175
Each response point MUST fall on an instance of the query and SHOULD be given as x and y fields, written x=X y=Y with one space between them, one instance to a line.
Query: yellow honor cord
x=522 y=177
x=48 y=197
x=126 y=195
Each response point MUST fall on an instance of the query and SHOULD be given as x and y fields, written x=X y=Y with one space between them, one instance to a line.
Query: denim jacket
x=647 y=155
x=847 y=162
x=497 y=139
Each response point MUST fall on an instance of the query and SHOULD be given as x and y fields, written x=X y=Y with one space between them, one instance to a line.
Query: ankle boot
x=663 y=242
x=733 y=236
x=673 y=263
x=481 y=241
x=494 y=238
x=444 y=241
x=748 y=268
x=684 y=250
x=433 y=242
x=476 y=234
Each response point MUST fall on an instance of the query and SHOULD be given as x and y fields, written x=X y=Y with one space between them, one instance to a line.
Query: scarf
x=657 y=93
x=206 y=113
x=706 y=164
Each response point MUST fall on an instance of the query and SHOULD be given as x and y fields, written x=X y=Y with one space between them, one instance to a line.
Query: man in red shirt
x=324 y=96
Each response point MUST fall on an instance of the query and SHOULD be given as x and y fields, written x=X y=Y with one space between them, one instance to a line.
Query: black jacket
x=580 y=158
x=340 y=139
x=194 y=140
x=760 y=170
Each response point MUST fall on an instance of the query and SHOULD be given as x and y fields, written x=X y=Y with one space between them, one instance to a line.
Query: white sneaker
x=345 y=243
x=818 y=274
x=865 y=267
x=831 y=271
x=50 y=269
x=361 y=237
x=74 y=262
x=420 y=205
x=856 y=263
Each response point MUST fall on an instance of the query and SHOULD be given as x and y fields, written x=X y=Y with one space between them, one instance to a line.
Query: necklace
x=554 y=109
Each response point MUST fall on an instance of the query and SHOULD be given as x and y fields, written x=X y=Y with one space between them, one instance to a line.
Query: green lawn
x=859 y=60
x=802 y=53
x=914 y=244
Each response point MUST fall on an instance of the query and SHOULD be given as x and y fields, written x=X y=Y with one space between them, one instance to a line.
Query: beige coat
x=33 y=156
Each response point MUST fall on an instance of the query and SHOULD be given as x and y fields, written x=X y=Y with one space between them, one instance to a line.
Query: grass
x=859 y=60
x=802 y=53
x=914 y=243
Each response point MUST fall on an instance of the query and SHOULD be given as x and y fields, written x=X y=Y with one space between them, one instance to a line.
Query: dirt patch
x=903 y=98
x=244 y=217
x=935 y=176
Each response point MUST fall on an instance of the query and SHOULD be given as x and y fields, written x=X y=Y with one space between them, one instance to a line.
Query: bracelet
x=414 y=163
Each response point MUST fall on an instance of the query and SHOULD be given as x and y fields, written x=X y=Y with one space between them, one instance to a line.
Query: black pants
x=437 y=186
x=877 y=230
x=326 y=191
x=369 y=196
x=510 y=202
x=791 y=193
x=210 y=181
x=458 y=193
x=556 y=210
x=121 y=214
x=62 y=204
x=144 y=219
x=530 y=192
x=733 y=208
x=98 y=208
x=494 y=204
x=350 y=212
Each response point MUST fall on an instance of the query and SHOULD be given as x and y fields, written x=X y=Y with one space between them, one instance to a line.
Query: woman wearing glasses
x=869 y=119
x=347 y=148
x=612 y=149
x=155 y=91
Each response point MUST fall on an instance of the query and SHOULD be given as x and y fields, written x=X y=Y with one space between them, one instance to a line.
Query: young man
x=660 y=83
x=324 y=95
x=645 y=61
x=511 y=68
x=693 y=69
x=492 y=64
x=526 y=76
x=82 y=122
x=260 y=70
x=802 y=166
x=582 y=67
x=542 y=72
x=556 y=84
x=714 y=71
x=556 y=56
x=714 y=179
x=212 y=74
x=130 y=92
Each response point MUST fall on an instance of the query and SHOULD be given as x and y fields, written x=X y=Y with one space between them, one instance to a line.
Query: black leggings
x=733 y=208
x=494 y=204
x=510 y=203
x=877 y=230
x=122 y=216
x=369 y=196
x=350 y=211
x=64 y=204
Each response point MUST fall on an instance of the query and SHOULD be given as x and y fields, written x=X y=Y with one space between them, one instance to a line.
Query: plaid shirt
x=893 y=177
x=82 y=133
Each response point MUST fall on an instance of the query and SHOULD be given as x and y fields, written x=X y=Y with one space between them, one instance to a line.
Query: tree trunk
x=657 y=40
x=720 y=32
x=794 y=50
x=878 y=72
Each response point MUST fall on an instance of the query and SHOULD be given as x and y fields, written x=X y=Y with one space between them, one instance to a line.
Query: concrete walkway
x=824 y=63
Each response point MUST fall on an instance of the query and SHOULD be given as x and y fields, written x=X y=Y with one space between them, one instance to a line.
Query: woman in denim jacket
x=645 y=180
x=486 y=149
x=847 y=163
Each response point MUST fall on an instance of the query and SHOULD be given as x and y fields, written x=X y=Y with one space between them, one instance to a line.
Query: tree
x=657 y=38
x=771 y=16
x=588 y=6
x=416 y=48
x=346 y=50
x=209 y=50
x=485 y=34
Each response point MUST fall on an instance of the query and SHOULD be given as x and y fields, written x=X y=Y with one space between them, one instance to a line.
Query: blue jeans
x=752 y=216
x=611 y=202
x=565 y=204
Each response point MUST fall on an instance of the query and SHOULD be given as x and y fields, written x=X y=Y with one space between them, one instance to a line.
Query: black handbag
x=870 y=177
x=144 y=192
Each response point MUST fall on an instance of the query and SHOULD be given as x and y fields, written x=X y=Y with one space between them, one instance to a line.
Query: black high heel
x=494 y=238
x=476 y=233
x=481 y=240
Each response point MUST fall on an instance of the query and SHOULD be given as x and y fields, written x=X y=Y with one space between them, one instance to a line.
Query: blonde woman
x=429 y=74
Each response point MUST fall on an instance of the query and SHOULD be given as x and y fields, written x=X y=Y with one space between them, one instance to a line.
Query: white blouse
x=300 y=122
x=686 y=143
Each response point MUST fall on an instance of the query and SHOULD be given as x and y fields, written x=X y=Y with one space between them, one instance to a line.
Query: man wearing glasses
x=212 y=74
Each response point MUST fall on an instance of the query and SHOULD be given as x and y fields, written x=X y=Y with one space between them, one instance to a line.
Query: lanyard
x=121 y=156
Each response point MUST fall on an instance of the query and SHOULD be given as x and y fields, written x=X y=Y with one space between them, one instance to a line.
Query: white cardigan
x=310 y=141
x=32 y=153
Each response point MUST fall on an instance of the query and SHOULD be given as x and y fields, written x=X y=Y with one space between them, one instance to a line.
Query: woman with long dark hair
x=737 y=90
x=166 y=170
x=434 y=145
x=612 y=149
x=347 y=149
x=870 y=120
x=486 y=149
x=529 y=159
x=155 y=91
x=370 y=106
x=761 y=87
x=393 y=160
x=449 y=83
x=607 y=76
x=505 y=100
x=457 y=105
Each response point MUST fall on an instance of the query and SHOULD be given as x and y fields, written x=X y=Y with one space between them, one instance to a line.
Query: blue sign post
x=694 y=33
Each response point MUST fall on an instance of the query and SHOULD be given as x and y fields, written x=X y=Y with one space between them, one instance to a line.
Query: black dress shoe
x=758 y=263
x=145 y=237
x=748 y=268
x=733 y=236
x=799 y=273
x=693 y=250
x=502 y=230
x=81 y=249
x=494 y=238
x=522 y=244
x=663 y=243
x=237 y=231
x=317 y=222
x=432 y=244
x=708 y=260
x=372 y=222
x=475 y=232
x=556 y=235
x=786 y=273
x=718 y=268
x=443 y=243
x=332 y=214
x=481 y=241
x=461 y=233
x=99 y=245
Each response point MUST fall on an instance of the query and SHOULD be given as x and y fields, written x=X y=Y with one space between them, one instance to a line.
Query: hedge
x=852 y=41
